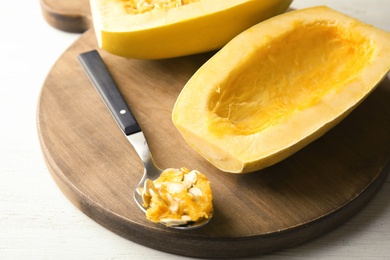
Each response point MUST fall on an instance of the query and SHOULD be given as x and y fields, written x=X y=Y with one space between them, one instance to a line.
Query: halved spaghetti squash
x=280 y=85
x=157 y=29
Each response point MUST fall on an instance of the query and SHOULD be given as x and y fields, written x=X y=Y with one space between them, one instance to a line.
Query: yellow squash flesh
x=278 y=86
x=169 y=28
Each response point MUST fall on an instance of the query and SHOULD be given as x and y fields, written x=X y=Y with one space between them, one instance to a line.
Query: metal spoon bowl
x=108 y=90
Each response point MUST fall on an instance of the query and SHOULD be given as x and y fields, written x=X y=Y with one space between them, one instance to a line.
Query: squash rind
x=241 y=153
x=186 y=30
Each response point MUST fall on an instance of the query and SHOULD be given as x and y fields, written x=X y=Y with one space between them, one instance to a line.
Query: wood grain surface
x=296 y=200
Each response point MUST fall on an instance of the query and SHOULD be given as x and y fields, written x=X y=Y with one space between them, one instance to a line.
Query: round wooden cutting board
x=298 y=199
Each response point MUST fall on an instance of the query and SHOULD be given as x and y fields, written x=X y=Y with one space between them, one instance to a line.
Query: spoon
x=108 y=90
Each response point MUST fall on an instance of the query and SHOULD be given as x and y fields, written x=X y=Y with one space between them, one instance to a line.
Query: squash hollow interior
x=143 y=6
x=290 y=74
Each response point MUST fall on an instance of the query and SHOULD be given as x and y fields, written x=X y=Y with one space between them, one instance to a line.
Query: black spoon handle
x=108 y=90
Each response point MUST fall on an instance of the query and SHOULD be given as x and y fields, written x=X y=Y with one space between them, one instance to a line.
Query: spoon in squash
x=108 y=90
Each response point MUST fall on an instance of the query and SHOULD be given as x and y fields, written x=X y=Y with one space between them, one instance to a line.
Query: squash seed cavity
x=294 y=72
x=144 y=6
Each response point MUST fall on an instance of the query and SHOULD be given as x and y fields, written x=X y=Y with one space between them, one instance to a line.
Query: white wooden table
x=38 y=222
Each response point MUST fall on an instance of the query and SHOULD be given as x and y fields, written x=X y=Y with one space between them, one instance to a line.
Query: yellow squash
x=280 y=85
x=157 y=29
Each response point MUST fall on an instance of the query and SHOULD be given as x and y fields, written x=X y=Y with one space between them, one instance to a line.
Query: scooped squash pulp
x=280 y=85
x=158 y=29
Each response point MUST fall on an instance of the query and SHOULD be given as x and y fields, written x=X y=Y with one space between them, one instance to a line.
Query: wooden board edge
x=67 y=22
